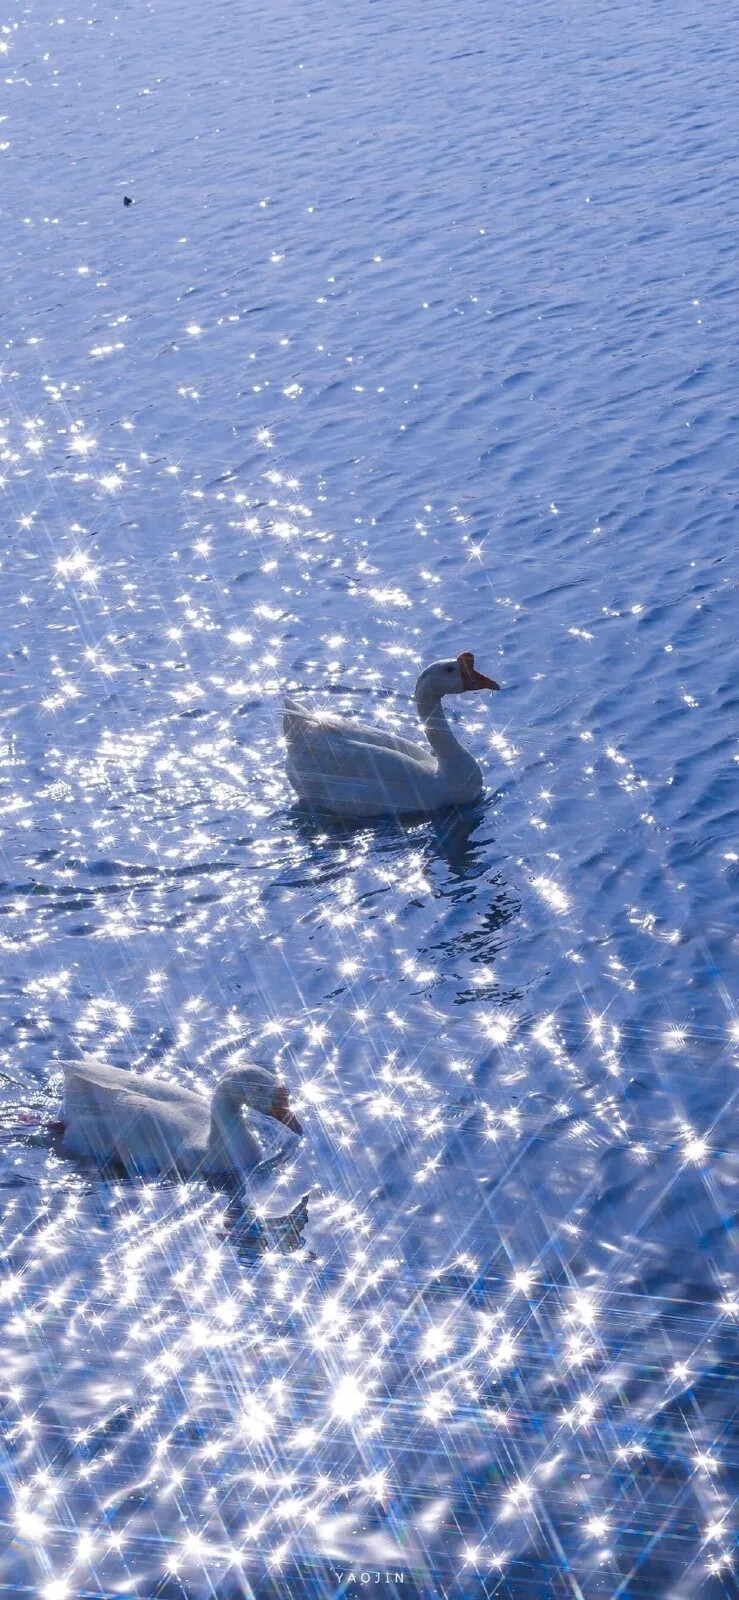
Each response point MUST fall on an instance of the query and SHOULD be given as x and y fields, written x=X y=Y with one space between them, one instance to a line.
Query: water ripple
x=418 y=336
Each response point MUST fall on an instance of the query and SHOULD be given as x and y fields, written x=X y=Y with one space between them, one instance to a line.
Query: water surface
x=419 y=336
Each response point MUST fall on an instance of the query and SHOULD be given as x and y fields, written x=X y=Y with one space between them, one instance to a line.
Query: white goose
x=355 y=769
x=147 y=1127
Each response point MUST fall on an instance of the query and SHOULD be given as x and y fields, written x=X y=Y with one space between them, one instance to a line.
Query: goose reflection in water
x=451 y=833
x=252 y=1235
x=447 y=833
x=444 y=858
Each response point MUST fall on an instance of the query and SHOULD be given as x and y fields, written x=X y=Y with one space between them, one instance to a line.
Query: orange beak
x=471 y=678
x=282 y=1113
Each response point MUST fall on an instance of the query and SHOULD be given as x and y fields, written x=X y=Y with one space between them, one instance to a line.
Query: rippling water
x=419 y=335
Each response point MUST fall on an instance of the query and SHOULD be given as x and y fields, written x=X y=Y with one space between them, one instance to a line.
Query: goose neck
x=443 y=742
x=231 y=1146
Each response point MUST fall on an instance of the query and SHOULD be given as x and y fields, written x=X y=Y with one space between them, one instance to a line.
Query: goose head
x=256 y=1089
x=451 y=677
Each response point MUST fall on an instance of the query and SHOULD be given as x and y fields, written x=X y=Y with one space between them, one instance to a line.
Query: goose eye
x=449 y=669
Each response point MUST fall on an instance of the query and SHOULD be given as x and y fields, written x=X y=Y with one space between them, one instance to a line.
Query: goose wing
x=306 y=729
x=137 y=1122
x=340 y=769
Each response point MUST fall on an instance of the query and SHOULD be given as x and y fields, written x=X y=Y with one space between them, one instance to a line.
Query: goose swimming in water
x=357 y=769
x=148 y=1128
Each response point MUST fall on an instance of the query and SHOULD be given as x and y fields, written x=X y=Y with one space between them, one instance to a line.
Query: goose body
x=147 y=1127
x=355 y=769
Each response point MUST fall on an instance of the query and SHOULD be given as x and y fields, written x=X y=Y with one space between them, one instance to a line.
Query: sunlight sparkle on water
x=501 y=1334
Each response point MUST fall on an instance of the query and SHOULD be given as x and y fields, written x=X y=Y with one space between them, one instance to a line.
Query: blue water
x=419 y=336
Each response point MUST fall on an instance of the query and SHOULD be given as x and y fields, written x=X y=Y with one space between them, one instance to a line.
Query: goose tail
x=295 y=716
